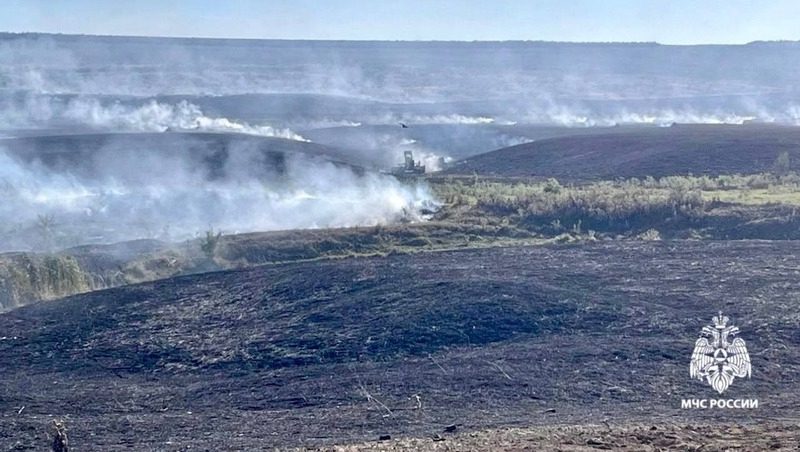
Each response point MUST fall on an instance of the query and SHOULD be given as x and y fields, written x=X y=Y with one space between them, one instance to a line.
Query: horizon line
x=530 y=41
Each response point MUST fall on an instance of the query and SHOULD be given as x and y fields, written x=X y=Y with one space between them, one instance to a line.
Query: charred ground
x=581 y=341
x=82 y=153
x=328 y=352
x=641 y=152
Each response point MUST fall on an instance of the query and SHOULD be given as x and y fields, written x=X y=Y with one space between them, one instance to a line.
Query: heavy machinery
x=409 y=169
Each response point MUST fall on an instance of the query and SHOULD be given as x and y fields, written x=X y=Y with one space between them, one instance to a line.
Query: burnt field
x=65 y=191
x=332 y=352
x=646 y=151
x=84 y=153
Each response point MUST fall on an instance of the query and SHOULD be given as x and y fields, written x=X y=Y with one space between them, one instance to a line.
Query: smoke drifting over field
x=118 y=193
x=148 y=116
x=608 y=114
x=452 y=99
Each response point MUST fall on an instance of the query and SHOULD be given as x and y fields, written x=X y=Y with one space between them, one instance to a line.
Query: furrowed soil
x=565 y=347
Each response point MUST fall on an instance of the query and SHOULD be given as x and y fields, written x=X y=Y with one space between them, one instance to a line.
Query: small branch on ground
x=372 y=399
x=496 y=366
x=437 y=363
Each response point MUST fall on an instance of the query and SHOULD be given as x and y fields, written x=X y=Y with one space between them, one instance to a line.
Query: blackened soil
x=331 y=352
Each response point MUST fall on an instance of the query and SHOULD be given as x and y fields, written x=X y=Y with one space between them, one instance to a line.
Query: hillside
x=648 y=151
x=60 y=192
x=347 y=350
x=83 y=151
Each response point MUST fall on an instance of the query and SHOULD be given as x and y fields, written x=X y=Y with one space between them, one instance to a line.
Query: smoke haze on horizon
x=675 y=22
x=457 y=99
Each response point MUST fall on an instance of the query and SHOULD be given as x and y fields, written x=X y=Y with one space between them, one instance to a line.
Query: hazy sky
x=665 y=21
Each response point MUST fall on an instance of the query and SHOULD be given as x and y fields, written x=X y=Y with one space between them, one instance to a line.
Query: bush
x=209 y=244
x=782 y=163
x=650 y=234
x=417 y=242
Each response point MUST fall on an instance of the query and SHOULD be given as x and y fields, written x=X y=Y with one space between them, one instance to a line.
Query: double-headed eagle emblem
x=721 y=359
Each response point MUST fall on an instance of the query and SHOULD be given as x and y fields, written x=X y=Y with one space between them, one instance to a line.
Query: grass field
x=728 y=206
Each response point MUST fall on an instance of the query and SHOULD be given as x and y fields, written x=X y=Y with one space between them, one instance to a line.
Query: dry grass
x=477 y=213
x=60 y=440
x=719 y=437
x=673 y=204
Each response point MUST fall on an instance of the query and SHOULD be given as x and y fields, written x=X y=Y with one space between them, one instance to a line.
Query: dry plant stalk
x=60 y=441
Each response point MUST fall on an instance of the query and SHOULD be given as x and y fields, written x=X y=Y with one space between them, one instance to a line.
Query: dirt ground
x=570 y=347
x=756 y=438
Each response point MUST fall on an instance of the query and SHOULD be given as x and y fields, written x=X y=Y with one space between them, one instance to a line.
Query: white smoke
x=140 y=195
x=432 y=160
x=395 y=119
x=506 y=141
x=576 y=116
x=323 y=123
x=152 y=116
x=453 y=118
